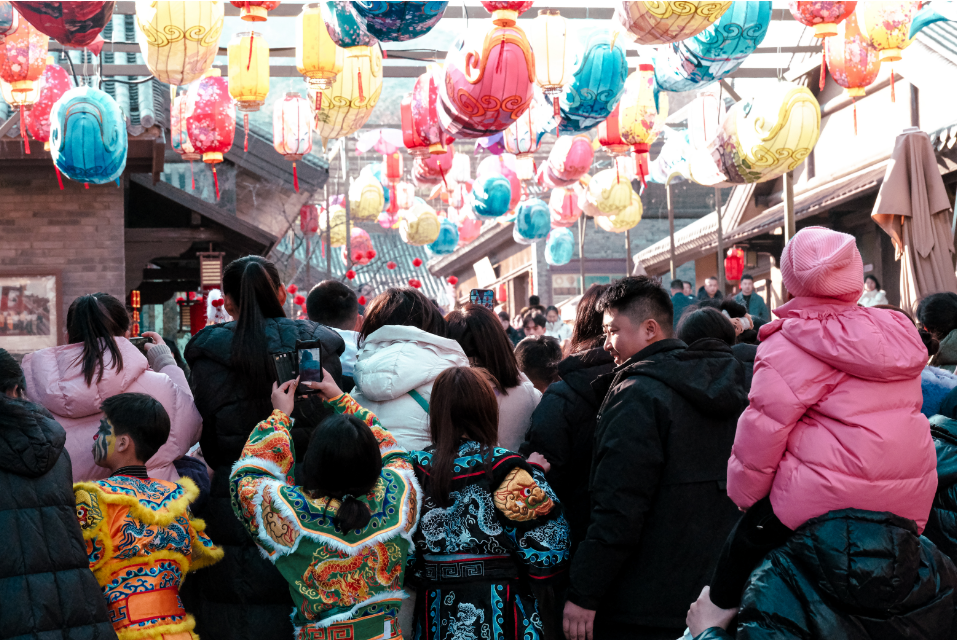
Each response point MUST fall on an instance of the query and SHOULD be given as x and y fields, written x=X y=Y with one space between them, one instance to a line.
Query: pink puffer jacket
x=55 y=380
x=835 y=420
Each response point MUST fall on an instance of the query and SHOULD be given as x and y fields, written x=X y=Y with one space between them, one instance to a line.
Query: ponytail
x=95 y=320
x=252 y=283
x=343 y=462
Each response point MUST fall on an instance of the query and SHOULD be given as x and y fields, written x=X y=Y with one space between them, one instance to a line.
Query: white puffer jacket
x=393 y=361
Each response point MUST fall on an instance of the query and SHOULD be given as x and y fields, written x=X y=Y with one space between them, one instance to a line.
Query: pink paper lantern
x=563 y=205
x=54 y=82
x=571 y=157
x=362 y=250
x=292 y=130
x=421 y=131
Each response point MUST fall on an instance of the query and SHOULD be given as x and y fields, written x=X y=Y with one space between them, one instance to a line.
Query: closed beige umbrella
x=913 y=209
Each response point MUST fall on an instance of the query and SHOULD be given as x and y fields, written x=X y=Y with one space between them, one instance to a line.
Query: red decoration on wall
x=453 y=280
x=734 y=264
x=417 y=262
x=351 y=274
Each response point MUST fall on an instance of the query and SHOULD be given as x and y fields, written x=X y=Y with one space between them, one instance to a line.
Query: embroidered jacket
x=141 y=542
x=334 y=576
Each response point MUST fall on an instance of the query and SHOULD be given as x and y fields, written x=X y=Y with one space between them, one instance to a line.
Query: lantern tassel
x=23 y=131
x=86 y=185
x=558 y=110
x=501 y=55
x=250 y=60
x=322 y=248
x=295 y=177
x=854 y=103
x=893 y=95
x=192 y=177
x=246 y=130
x=442 y=173
x=59 y=178
x=361 y=96
x=823 y=69
x=216 y=183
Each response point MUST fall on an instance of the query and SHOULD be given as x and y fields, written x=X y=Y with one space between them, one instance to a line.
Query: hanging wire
x=465 y=12
x=72 y=69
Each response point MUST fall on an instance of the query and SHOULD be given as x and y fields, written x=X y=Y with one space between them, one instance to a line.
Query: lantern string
x=893 y=95
x=250 y=60
x=361 y=96
x=501 y=55
x=192 y=177
x=823 y=68
x=23 y=130
x=246 y=132
x=59 y=178
x=216 y=183
x=295 y=177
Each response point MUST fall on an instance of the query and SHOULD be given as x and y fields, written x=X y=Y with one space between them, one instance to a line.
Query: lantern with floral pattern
x=637 y=121
x=421 y=132
x=665 y=22
x=344 y=107
x=248 y=55
x=852 y=60
x=180 y=38
x=887 y=25
x=179 y=135
x=23 y=57
x=823 y=17
x=54 y=82
x=399 y=21
x=608 y=193
x=504 y=165
x=257 y=11
x=491 y=196
x=292 y=130
x=523 y=139
x=211 y=119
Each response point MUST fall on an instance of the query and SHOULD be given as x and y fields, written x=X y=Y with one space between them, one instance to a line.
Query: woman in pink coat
x=73 y=380
x=834 y=420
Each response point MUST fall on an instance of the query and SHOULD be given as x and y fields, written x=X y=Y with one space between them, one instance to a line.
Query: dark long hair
x=343 y=462
x=705 y=322
x=938 y=313
x=11 y=375
x=462 y=407
x=252 y=283
x=405 y=306
x=588 y=332
x=481 y=336
x=95 y=320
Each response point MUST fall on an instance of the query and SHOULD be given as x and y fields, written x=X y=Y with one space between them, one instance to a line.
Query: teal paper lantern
x=448 y=238
x=533 y=221
x=88 y=136
x=399 y=21
x=491 y=196
x=598 y=81
x=346 y=26
x=716 y=52
x=559 y=246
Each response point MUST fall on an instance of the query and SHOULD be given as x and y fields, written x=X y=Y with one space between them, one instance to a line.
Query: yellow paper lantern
x=248 y=55
x=610 y=192
x=345 y=107
x=554 y=55
x=366 y=198
x=21 y=98
x=180 y=39
x=318 y=57
x=887 y=25
x=419 y=225
x=666 y=22
x=336 y=217
x=627 y=218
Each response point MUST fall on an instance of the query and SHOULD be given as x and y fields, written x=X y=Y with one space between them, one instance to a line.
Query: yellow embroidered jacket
x=141 y=542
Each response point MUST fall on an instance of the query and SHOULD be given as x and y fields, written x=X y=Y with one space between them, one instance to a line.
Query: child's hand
x=284 y=397
x=328 y=388
x=539 y=459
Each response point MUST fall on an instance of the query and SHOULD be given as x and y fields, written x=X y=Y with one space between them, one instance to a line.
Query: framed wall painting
x=31 y=315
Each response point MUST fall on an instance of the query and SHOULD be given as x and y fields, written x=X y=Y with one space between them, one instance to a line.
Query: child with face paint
x=140 y=538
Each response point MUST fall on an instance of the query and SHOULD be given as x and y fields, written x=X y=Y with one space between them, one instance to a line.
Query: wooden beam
x=200 y=234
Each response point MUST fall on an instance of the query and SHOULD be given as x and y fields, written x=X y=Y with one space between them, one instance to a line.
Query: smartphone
x=309 y=359
x=141 y=342
x=285 y=367
x=484 y=297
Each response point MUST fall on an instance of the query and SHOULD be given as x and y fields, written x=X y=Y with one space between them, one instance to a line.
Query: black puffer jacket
x=942 y=525
x=660 y=511
x=563 y=430
x=853 y=575
x=243 y=596
x=47 y=590
x=746 y=354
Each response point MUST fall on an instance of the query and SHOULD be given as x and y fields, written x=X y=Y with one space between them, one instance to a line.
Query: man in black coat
x=660 y=512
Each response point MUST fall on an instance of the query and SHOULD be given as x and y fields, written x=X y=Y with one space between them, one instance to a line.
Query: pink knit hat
x=822 y=263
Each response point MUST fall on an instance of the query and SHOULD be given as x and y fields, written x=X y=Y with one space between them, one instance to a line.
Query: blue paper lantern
x=491 y=196
x=400 y=21
x=716 y=52
x=559 y=246
x=448 y=238
x=346 y=26
x=598 y=81
x=533 y=221
x=88 y=136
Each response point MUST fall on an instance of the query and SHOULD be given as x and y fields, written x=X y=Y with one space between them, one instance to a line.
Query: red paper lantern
x=299 y=300
x=390 y=265
x=823 y=17
x=734 y=264
x=53 y=84
x=415 y=284
x=421 y=131
x=393 y=166
x=453 y=280
x=417 y=262
x=211 y=123
x=351 y=274
x=370 y=254
x=292 y=289
x=309 y=218
x=362 y=300
x=852 y=59
x=73 y=24
x=23 y=57
x=255 y=11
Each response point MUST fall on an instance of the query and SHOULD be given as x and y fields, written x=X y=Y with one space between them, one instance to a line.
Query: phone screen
x=484 y=297
x=310 y=365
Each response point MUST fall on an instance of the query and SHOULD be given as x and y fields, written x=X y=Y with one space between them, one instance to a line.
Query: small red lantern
x=391 y=265
x=255 y=11
x=453 y=280
x=292 y=289
x=362 y=300
x=417 y=262
x=299 y=300
x=309 y=218
x=416 y=284
x=734 y=264
x=370 y=254
x=211 y=123
x=351 y=274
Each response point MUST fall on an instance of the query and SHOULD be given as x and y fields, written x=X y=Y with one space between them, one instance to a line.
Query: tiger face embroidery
x=520 y=498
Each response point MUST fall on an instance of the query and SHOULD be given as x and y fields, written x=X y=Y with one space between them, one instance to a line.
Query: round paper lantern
x=419 y=225
x=469 y=226
x=569 y=159
x=636 y=121
x=765 y=137
x=346 y=26
x=54 y=82
x=72 y=24
x=422 y=176
x=211 y=119
x=248 y=55
x=437 y=165
x=336 y=219
x=491 y=196
x=716 y=52
x=559 y=247
x=610 y=192
x=852 y=60
x=399 y=21
x=665 y=22
x=345 y=107
x=823 y=17
x=317 y=56
x=734 y=263
x=292 y=131
x=554 y=54
x=9 y=18
x=180 y=39
x=523 y=139
x=598 y=79
x=255 y=11
x=887 y=25
x=421 y=132
x=533 y=220
x=504 y=165
x=448 y=239
x=22 y=98
x=624 y=220
x=308 y=220
x=417 y=262
x=361 y=247
x=563 y=205
x=366 y=198
x=489 y=81
x=88 y=138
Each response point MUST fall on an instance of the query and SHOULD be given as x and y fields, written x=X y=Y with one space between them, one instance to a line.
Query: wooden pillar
x=671 y=230
x=629 y=267
x=717 y=209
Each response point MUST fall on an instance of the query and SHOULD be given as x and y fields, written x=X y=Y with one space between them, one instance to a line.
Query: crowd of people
x=664 y=466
